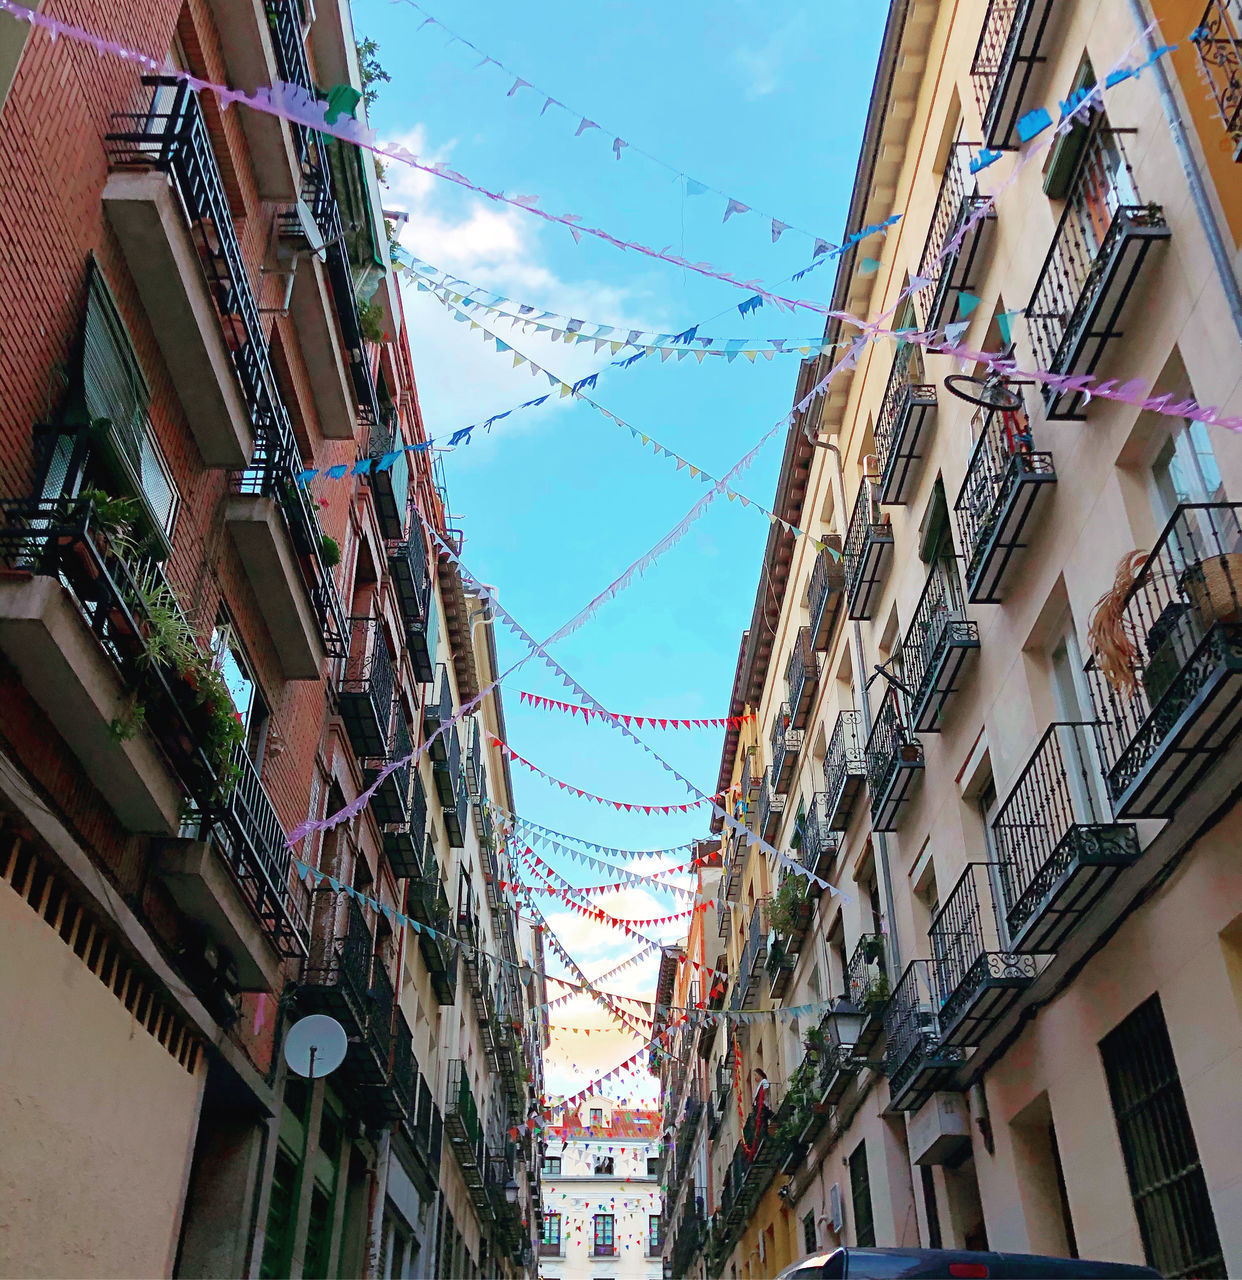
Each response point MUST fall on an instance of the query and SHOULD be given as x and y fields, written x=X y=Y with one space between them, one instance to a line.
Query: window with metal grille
x=1162 y=1161
x=809 y=1243
x=860 y=1194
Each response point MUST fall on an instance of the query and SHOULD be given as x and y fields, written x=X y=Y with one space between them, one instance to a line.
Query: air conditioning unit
x=836 y=1211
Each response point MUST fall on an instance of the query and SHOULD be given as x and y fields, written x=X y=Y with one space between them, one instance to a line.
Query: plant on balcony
x=1110 y=643
x=873 y=949
x=788 y=903
x=370 y=71
x=371 y=321
x=876 y=995
x=329 y=552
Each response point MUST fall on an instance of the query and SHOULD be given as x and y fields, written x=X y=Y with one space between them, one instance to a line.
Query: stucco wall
x=97 y=1121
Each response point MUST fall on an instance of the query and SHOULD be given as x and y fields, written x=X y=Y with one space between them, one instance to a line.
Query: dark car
x=882 y=1264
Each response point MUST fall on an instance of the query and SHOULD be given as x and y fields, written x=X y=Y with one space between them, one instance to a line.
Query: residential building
x=1030 y=950
x=197 y=654
x=601 y=1193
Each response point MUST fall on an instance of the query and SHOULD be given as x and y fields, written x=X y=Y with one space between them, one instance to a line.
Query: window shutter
x=113 y=385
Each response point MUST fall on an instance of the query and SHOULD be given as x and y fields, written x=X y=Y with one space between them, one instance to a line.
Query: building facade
x=197 y=654
x=601 y=1190
x=1014 y=762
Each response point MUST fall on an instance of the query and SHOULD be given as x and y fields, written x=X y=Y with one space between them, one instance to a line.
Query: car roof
x=865 y=1263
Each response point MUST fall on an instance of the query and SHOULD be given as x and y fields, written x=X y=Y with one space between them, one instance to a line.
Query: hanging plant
x=329 y=552
x=1110 y=642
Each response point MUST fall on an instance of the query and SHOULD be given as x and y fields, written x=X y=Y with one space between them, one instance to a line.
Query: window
x=604 y=1241
x=1167 y=1184
x=238 y=675
x=604 y=1166
x=809 y=1243
x=653 y=1166
x=552 y=1166
x=597 y=1115
x=552 y=1228
x=653 y=1233
x=860 y=1194
x=930 y=1207
x=1185 y=470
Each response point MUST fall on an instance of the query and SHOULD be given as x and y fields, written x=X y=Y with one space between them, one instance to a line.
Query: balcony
x=786 y=744
x=955 y=239
x=76 y=623
x=1092 y=265
x=439 y=954
x=464 y=1131
x=780 y=965
x=894 y=763
x=802 y=678
x=390 y=803
x=451 y=788
x=411 y=580
x=1005 y=59
x=1169 y=724
x=437 y=712
x=818 y=843
x=389 y=484
x=867 y=987
x=476 y=780
x=1218 y=43
x=754 y=953
x=1005 y=482
x=824 y=592
x=938 y=644
x=734 y=865
x=978 y=979
x=344 y=979
x=1057 y=847
x=845 y=770
x=868 y=554
x=550 y=1249
x=364 y=689
x=166 y=201
x=916 y=1062
x=906 y=413
x=404 y=840
x=771 y=806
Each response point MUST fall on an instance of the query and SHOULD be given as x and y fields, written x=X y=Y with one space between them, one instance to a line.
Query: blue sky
x=556 y=502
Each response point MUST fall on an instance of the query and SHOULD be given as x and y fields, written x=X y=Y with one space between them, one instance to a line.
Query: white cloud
x=763 y=62
x=461 y=378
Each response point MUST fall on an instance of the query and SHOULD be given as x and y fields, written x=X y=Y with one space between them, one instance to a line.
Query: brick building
x=197 y=654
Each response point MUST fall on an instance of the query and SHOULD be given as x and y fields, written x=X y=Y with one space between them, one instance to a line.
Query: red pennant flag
x=663 y=724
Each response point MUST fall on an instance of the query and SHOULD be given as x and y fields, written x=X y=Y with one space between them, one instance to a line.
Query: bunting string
x=665 y=722
x=540 y=832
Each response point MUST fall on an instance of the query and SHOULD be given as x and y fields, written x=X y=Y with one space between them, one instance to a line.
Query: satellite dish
x=315 y=1046
x=987 y=393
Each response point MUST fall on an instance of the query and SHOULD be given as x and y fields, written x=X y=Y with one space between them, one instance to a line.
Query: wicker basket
x=1215 y=587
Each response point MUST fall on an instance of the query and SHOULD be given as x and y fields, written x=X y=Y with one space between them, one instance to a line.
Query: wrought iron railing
x=1102 y=204
x=1003 y=453
x=891 y=744
x=414 y=587
x=1059 y=787
x=802 y=669
x=990 y=54
x=1218 y=42
x=845 y=756
x=905 y=380
x=866 y=977
x=956 y=202
x=911 y=1024
x=342 y=960
x=284 y=20
x=460 y=1109
x=172 y=136
x=785 y=741
x=865 y=521
x=818 y=840
x=771 y=804
x=115 y=589
x=369 y=667
x=939 y=619
x=1170 y=639
x=826 y=577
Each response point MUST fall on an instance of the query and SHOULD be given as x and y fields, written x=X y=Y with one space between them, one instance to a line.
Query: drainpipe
x=1221 y=256
x=379 y=1193
x=860 y=666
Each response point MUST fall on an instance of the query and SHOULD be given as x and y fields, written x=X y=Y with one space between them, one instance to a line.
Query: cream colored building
x=1036 y=943
x=601 y=1193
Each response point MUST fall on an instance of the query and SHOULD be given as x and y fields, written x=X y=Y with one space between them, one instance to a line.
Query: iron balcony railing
x=284 y=20
x=407 y=564
x=818 y=841
x=1102 y=207
x=823 y=589
x=1003 y=459
x=975 y=974
x=365 y=687
x=801 y=676
x=771 y=806
x=957 y=202
x=1005 y=57
x=461 y=1119
x=891 y=747
x=845 y=765
x=905 y=395
x=115 y=588
x=391 y=801
x=437 y=712
x=1218 y=42
x=1054 y=838
x=911 y=1025
x=786 y=743
x=1163 y=721
x=337 y=974
x=405 y=1073
x=389 y=480
x=939 y=624
x=172 y=136
x=866 y=978
x=866 y=538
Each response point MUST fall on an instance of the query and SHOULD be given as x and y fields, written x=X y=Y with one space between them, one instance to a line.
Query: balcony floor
x=901 y=466
x=922 y=1073
x=886 y=807
x=986 y=992
x=957 y=646
x=877 y=556
x=1192 y=727
x=1030 y=477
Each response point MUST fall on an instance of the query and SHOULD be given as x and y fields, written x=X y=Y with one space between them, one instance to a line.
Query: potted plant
x=1214 y=586
x=873 y=948
x=877 y=995
x=329 y=551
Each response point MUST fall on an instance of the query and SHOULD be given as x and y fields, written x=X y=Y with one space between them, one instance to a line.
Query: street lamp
x=511 y=1191
x=844 y=1024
